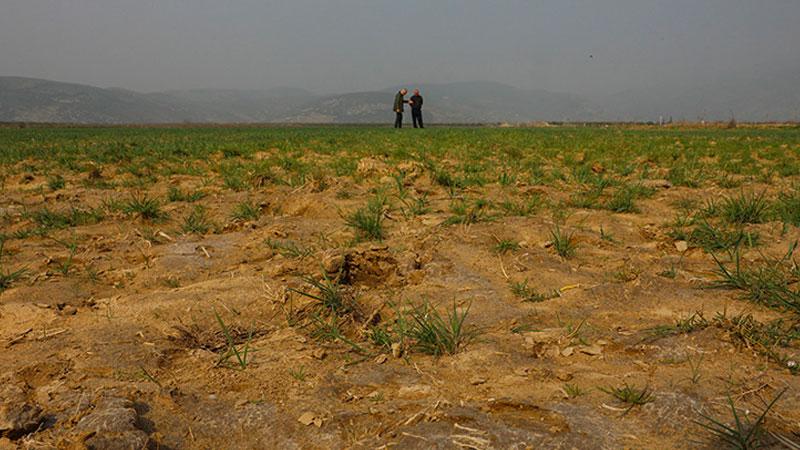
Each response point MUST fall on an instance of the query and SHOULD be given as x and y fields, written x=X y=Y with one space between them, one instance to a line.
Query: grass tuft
x=435 y=334
x=7 y=278
x=246 y=211
x=528 y=294
x=564 y=243
x=630 y=395
x=241 y=354
x=144 y=207
x=745 y=208
x=367 y=222
x=742 y=434
x=197 y=221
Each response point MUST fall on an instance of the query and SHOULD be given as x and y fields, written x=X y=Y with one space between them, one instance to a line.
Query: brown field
x=305 y=288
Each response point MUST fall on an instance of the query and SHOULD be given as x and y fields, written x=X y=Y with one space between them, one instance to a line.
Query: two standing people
x=416 y=108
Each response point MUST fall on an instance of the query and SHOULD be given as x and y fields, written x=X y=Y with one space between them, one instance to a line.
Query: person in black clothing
x=416 y=109
x=399 y=106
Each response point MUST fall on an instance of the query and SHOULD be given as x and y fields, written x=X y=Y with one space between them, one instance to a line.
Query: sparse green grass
x=524 y=208
x=573 y=390
x=693 y=322
x=606 y=236
x=367 y=222
x=623 y=201
x=56 y=183
x=630 y=395
x=529 y=294
x=329 y=330
x=743 y=433
x=7 y=277
x=299 y=374
x=504 y=246
x=246 y=211
x=564 y=244
x=767 y=339
x=144 y=207
x=712 y=239
x=447 y=180
x=289 y=249
x=197 y=221
x=48 y=219
x=381 y=337
x=415 y=206
x=469 y=212
x=788 y=206
x=241 y=353
x=745 y=208
x=65 y=266
x=769 y=283
x=175 y=194
x=436 y=334
x=329 y=295
x=694 y=366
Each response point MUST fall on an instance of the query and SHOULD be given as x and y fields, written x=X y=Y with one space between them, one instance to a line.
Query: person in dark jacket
x=416 y=109
x=399 y=107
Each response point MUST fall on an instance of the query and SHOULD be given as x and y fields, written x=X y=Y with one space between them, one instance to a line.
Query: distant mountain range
x=36 y=100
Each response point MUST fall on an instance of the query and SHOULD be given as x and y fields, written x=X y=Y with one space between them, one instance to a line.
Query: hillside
x=34 y=100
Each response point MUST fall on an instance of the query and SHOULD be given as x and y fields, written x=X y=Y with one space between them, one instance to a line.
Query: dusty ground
x=123 y=350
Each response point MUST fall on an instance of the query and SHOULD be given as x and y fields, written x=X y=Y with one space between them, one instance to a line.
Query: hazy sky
x=350 y=45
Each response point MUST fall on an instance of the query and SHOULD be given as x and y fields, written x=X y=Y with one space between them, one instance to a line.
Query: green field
x=478 y=155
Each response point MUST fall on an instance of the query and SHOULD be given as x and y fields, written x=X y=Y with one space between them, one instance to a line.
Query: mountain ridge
x=38 y=100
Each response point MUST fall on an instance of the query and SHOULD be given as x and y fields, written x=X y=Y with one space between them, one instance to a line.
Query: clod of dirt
x=371 y=166
x=333 y=262
x=309 y=418
x=656 y=184
x=591 y=350
x=397 y=349
x=113 y=424
x=475 y=381
x=411 y=169
x=371 y=266
x=18 y=417
x=544 y=336
x=681 y=246
x=414 y=391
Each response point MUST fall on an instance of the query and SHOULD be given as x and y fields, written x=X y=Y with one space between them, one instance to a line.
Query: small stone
x=522 y=371
x=414 y=391
x=475 y=381
x=681 y=246
x=544 y=336
x=309 y=418
x=568 y=351
x=592 y=350
x=397 y=349
x=333 y=263
x=381 y=358
x=563 y=376
x=69 y=311
x=656 y=184
x=319 y=353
